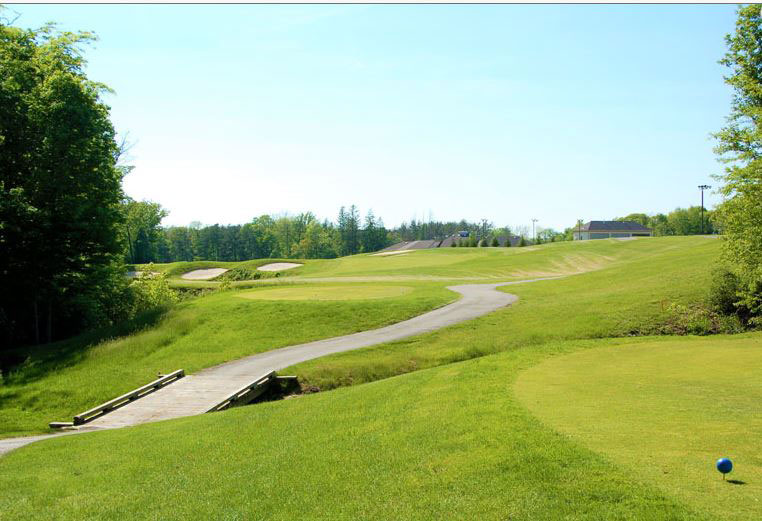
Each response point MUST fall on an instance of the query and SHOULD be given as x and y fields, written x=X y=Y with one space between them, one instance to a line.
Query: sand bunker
x=384 y=254
x=278 y=266
x=203 y=274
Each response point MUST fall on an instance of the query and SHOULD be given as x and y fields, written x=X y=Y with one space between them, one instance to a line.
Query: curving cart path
x=199 y=392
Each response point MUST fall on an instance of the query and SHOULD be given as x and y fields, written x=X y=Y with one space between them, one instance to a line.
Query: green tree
x=141 y=230
x=317 y=243
x=740 y=147
x=495 y=242
x=60 y=189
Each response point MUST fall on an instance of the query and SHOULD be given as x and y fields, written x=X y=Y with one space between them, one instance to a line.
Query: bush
x=726 y=294
x=240 y=273
x=483 y=243
x=507 y=242
x=698 y=320
x=522 y=242
x=150 y=291
x=723 y=292
x=453 y=244
x=495 y=242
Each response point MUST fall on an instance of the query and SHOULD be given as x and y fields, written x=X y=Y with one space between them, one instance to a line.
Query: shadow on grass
x=736 y=482
x=26 y=364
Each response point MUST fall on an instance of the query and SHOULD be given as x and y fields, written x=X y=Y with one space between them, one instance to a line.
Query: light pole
x=702 y=188
x=534 y=235
x=579 y=229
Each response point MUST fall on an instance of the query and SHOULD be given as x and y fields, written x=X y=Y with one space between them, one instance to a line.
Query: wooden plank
x=60 y=425
x=129 y=397
x=246 y=393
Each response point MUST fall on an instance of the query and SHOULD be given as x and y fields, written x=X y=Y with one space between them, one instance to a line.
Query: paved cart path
x=197 y=393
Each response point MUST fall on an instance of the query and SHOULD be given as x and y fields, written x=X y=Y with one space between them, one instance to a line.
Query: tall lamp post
x=534 y=235
x=702 y=188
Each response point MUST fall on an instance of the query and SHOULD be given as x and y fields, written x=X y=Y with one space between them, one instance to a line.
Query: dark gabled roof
x=614 y=226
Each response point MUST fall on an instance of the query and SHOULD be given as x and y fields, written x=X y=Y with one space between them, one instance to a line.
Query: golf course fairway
x=666 y=410
x=346 y=292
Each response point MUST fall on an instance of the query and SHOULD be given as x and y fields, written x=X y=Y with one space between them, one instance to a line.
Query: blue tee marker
x=724 y=465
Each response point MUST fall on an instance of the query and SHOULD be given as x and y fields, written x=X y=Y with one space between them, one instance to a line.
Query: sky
x=501 y=112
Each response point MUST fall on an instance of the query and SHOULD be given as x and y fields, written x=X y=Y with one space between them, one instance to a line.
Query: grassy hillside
x=480 y=428
x=624 y=292
x=196 y=334
x=465 y=264
x=446 y=443
x=626 y=297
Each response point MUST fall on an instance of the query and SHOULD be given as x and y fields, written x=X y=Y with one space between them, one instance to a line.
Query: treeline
x=680 y=221
x=482 y=231
x=428 y=230
x=301 y=236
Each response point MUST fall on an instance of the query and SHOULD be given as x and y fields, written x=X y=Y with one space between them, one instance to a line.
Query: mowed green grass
x=458 y=264
x=449 y=443
x=195 y=334
x=666 y=410
x=345 y=292
x=450 y=440
x=621 y=299
x=177 y=269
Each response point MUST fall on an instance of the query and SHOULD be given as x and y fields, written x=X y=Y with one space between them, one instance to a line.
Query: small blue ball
x=724 y=465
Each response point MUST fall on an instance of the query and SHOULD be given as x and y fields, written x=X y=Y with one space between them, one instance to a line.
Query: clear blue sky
x=504 y=112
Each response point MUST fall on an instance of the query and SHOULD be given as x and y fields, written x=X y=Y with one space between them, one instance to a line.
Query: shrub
x=522 y=242
x=452 y=244
x=698 y=320
x=495 y=242
x=726 y=297
x=507 y=242
x=723 y=291
x=483 y=243
x=151 y=290
x=240 y=273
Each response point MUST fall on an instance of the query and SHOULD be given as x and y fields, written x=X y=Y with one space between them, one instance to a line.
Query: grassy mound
x=452 y=441
x=666 y=410
x=61 y=380
x=623 y=299
x=449 y=443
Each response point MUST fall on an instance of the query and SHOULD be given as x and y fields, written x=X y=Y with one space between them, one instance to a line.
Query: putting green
x=667 y=410
x=327 y=293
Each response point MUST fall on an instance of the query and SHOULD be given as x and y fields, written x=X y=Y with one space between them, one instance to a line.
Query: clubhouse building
x=610 y=229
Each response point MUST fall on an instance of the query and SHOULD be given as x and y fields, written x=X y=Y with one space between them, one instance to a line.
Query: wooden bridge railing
x=105 y=408
x=250 y=391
